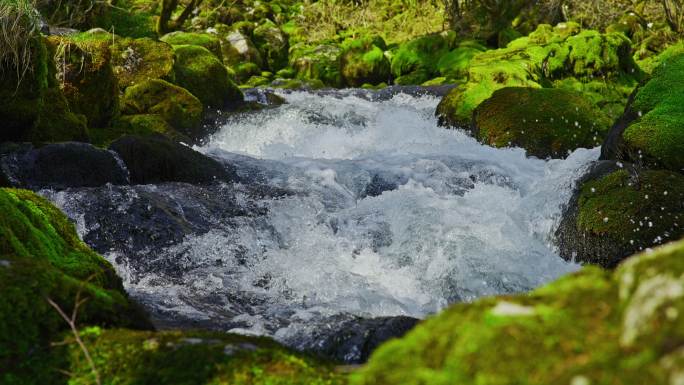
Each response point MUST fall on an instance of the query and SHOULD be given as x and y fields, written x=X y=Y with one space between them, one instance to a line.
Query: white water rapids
x=391 y=215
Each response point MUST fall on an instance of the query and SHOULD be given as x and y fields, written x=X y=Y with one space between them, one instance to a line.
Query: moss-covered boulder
x=614 y=214
x=155 y=159
x=172 y=357
x=139 y=124
x=201 y=73
x=545 y=56
x=273 y=44
x=42 y=258
x=237 y=46
x=651 y=131
x=138 y=60
x=591 y=327
x=546 y=122
x=455 y=63
x=176 y=105
x=363 y=61
x=86 y=77
x=206 y=40
x=317 y=63
x=416 y=61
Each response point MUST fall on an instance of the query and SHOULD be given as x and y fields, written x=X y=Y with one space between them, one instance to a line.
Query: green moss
x=634 y=211
x=42 y=257
x=142 y=125
x=546 y=122
x=176 y=105
x=273 y=45
x=201 y=73
x=86 y=77
x=137 y=60
x=363 y=61
x=129 y=18
x=590 y=327
x=56 y=122
x=420 y=58
x=545 y=56
x=317 y=63
x=244 y=71
x=455 y=63
x=656 y=137
x=208 y=41
x=130 y=357
x=237 y=46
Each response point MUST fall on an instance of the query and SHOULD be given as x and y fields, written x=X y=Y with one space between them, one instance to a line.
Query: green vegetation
x=208 y=41
x=363 y=61
x=590 y=327
x=546 y=122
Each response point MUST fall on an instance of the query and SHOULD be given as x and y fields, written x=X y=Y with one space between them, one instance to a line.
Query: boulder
x=201 y=73
x=206 y=40
x=651 y=130
x=176 y=105
x=156 y=159
x=273 y=45
x=416 y=61
x=237 y=47
x=591 y=327
x=363 y=61
x=317 y=63
x=616 y=212
x=138 y=60
x=59 y=166
x=546 y=122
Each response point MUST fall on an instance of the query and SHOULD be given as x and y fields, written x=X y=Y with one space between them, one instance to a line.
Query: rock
x=546 y=122
x=201 y=73
x=86 y=77
x=617 y=212
x=548 y=56
x=156 y=159
x=651 y=130
x=626 y=326
x=416 y=61
x=60 y=166
x=455 y=63
x=176 y=105
x=206 y=40
x=32 y=108
x=363 y=61
x=352 y=341
x=142 y=125
x=273 y=45
x=44 y=259
x=318 y=63
x=138 y=60
x=237 y=47
x=197 y=357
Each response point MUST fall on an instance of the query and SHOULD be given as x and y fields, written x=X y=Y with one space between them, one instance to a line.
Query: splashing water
x=390 y=215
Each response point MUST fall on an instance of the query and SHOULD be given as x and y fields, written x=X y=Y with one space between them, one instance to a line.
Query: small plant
x=19 y=25
x=71 y=321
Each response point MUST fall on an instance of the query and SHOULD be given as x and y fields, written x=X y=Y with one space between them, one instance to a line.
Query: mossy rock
x=182 y=110
x=591 y=327
x=129 y=18
x=42 y=257
x=141 y=124
x=616 y=214
x=237 y=47
x=363 y=61
x=194 y=357
x=244 y=71
x=318 y=63
x=546 y=122
x=455 y=63
x=201 y=73
x=651 y=132
x=137 y=60
x=545 y=56
x=206 y=40
x=419 y=58
x=86 y=77
x=57 y=123
x=273 y=44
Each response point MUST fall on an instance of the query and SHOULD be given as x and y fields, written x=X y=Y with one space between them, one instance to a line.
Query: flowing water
x=385 y=214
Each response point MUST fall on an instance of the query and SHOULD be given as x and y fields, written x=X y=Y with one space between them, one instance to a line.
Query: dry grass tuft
x=19 y=25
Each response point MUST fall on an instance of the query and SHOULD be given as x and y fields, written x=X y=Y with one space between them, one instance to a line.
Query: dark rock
x=59 y=166
x=157 y=159
x=352 y=341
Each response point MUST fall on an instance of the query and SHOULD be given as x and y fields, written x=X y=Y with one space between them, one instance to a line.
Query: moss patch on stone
x=417 y=61
x=363 y=61
x=176 y=105
x=317 y=63
x=137 y=60
x=201 y=73
x=171 y=357
x=546 y=122
x=273 y=44
x=208 y=41
x=592 y=327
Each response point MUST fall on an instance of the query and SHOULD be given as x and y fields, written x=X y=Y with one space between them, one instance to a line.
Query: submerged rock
x=545 y=122
x=155 y=159
x=59 y=166
x=624 y=326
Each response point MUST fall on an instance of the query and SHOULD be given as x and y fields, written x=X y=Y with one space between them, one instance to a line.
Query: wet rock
x=59 y=166
x=155 y=159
